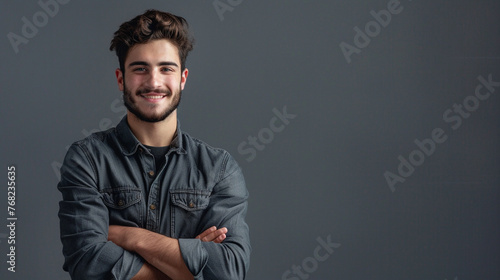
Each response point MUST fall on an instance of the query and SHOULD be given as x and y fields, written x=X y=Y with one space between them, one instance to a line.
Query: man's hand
x=213 y=234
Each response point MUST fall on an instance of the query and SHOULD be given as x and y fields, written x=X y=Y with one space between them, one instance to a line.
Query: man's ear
x=119 y=78
x=184 y=76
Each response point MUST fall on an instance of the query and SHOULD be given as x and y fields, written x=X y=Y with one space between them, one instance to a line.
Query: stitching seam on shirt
x=223 y=168
x=91 y=162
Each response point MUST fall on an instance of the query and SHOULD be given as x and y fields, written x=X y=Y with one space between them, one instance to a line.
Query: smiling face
x=153 y=80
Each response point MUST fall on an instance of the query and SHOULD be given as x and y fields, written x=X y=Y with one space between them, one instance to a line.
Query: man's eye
x=166 y=69
x=141 y=69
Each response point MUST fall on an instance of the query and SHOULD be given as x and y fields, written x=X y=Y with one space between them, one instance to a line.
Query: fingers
x=220 y=238
x=213 y=234
x=206 y=232
x=219 y=235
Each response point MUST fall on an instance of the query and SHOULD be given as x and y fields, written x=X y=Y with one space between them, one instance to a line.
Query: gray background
x=323 y=175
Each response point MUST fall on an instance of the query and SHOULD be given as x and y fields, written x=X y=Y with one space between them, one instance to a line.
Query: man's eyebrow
x=144 y=63
x=138 y=63
x=168 y=63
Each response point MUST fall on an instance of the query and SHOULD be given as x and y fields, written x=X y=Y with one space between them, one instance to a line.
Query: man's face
x=153 y=80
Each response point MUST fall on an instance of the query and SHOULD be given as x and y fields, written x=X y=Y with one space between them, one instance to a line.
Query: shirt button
x=120 y=202
x=191 y=204
x=152 y=207
x=151 y=173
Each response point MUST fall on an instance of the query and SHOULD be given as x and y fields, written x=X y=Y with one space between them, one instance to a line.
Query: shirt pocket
x=124 y=205
x=187 y=210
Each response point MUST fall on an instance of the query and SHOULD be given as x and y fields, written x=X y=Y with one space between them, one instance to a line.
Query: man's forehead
x=154 y=52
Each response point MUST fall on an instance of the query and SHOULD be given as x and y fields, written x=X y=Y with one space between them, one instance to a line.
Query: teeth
x=154 y=96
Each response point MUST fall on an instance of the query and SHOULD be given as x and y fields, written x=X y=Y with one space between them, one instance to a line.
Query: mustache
x=150 y=90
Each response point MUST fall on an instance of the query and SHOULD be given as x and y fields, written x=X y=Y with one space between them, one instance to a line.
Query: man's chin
x=151 y=118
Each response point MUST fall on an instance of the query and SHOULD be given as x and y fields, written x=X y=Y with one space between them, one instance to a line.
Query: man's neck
x=157 y=134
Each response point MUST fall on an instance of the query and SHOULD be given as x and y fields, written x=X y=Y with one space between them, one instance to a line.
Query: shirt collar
x=129 y=143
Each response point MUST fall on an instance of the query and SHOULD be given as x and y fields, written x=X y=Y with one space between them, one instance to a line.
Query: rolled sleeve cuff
x=195 y=256
x=128 y=267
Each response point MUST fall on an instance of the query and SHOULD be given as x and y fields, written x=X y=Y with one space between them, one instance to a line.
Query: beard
x=131 y=105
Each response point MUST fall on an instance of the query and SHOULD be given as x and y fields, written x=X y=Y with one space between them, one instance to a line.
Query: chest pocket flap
x=121 y=198
x=190 y=200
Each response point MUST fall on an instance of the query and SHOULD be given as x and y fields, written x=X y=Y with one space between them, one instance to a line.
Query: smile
x=152 y=96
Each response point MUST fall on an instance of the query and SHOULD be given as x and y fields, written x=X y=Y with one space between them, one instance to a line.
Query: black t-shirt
x=159 y=154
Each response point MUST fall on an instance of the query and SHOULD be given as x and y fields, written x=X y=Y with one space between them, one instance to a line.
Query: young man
x=144 y=200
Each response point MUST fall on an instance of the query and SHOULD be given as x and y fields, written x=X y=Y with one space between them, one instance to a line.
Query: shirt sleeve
x=84 y=224
x=228 y=206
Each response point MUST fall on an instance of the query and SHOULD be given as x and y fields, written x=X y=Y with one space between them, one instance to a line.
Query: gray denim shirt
x=109 y=178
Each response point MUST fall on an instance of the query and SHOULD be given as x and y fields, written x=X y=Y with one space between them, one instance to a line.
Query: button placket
x=148 y=161
x=152 y=191
x=153 y=214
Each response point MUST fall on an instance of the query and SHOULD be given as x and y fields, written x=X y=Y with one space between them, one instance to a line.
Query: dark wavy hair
x=152 y=25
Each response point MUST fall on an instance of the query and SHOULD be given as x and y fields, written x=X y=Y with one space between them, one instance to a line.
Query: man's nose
x=154 y=80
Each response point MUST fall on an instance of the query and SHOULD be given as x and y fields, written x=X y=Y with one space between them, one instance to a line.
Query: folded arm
x=161 y=253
